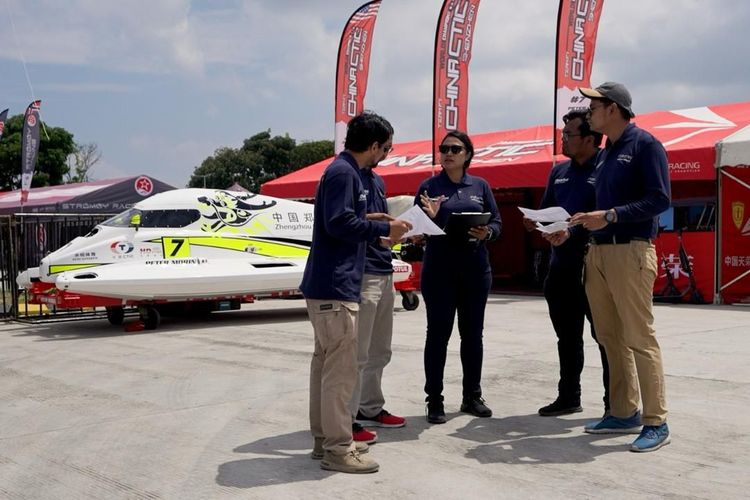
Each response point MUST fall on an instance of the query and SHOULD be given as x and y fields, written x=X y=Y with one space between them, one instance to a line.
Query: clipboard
x=459 y=223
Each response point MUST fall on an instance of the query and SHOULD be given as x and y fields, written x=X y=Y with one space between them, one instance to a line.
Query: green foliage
x=51 y=166
x=260 y=159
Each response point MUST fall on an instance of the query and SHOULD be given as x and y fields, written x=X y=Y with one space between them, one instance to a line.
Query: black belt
x=614 y=239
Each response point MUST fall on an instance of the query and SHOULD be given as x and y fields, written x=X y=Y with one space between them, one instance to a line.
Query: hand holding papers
x=551 y=214
x=421 y=223
x=552 y=228
x=557 y=216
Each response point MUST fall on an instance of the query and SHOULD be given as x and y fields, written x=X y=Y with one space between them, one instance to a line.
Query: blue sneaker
x=652 y=438
x=615 y=425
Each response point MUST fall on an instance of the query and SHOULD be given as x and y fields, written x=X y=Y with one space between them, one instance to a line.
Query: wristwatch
x=610 y=216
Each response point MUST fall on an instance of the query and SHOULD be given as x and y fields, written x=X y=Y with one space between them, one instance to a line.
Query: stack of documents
x=556 y=218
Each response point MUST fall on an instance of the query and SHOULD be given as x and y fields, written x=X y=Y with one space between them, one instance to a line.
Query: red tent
x=516 y=164
x=522 y=158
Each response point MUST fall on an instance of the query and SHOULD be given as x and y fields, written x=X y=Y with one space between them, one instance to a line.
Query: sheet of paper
x=552 y=228
x=421 y=223
x=551 y=214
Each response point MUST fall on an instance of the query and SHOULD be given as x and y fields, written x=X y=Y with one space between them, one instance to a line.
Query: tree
x=82 y=161
x=54 y=148
x=261 y=158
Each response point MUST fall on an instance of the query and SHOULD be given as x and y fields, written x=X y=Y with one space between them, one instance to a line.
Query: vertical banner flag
x=453 y=44
x=29 y=147
x=577 y=25
x=3 y=117
x=352 y=68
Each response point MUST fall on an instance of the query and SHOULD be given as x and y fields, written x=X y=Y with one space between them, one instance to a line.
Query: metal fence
x=24 y=240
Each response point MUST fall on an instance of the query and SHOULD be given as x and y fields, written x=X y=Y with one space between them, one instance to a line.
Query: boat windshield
x=154 y=218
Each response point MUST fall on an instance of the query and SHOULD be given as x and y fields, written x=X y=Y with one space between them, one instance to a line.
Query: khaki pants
x=333 y=372
x=619 y=285
x=374 y=333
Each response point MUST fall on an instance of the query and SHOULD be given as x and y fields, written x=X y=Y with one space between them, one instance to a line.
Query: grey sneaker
x=350 y=463
x=317 y=453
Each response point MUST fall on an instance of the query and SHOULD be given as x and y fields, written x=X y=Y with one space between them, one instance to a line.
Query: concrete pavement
x=218 y=409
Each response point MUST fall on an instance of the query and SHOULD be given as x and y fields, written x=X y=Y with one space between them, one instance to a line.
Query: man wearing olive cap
x=632 y=189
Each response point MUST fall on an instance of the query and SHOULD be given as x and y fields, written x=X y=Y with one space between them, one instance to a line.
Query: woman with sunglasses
x=456 y=274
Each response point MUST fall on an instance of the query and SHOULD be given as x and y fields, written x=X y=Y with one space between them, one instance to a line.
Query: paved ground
x=218 y=409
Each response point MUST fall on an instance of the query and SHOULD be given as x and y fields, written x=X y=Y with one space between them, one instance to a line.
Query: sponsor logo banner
x=29 y=147
x=738 y=213
x=453 y=44
x=353 y=67
x=577 y=26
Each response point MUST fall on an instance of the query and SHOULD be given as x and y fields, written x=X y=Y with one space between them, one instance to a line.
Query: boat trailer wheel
x=150 y=317
x=409 y=300
x=115 y=315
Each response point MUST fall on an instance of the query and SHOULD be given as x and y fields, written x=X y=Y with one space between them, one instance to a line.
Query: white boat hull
x=192 y=279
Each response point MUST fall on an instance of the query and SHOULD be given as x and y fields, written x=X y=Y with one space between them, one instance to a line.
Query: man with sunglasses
x=571 y=186
x=632 y=189
x=332 y=284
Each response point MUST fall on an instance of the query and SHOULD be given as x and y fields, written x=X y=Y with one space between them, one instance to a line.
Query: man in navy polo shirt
x=332 y=283
x=571 y=186
x=632 y=189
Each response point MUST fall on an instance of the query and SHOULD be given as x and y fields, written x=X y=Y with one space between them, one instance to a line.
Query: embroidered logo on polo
x=561 y=180
x=623 y=158
x=477 y=199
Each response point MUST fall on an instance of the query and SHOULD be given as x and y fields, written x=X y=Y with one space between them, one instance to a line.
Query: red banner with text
x=686 y=267
x=353 y=67
x=735 y=234
x=577 y=26
x=453 y=44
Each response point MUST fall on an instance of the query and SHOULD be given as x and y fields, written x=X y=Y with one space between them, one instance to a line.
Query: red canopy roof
x=522 y=158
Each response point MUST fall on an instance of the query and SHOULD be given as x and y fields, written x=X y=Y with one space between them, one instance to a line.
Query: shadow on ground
x=99 y=328
x=531 y=439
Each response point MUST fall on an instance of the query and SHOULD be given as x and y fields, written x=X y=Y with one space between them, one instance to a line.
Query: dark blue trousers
x=447 y=292
x=568 y=309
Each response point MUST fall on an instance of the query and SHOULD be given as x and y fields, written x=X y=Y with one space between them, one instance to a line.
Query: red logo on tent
x=144 y=186
x=31 y=120
x=2 y=127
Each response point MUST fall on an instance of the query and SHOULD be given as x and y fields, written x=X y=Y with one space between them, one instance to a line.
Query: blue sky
x=159 y=85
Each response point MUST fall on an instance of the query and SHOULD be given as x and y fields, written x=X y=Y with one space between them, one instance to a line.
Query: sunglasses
x=455 y=149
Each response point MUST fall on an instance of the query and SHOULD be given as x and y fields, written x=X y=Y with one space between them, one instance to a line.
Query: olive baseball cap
x=615 y=92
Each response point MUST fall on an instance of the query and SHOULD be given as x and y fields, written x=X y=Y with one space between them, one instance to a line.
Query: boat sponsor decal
x=267 y=247
x=61 y=268
x=175 y=248
x=225 y=209
x=163 y=262
x=122 y=247
x=84 y=257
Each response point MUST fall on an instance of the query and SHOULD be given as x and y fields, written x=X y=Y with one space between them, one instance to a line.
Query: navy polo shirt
x=378 y=257
x=340 y=232
x=470 y=194
x=633 y=178
x=571 y=186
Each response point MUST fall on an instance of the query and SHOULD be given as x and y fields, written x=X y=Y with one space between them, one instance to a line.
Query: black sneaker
x=435 y=411
x=560 y=407
x=476 y=407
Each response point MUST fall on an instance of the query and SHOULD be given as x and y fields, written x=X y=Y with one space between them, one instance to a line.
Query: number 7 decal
x=175 y=248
